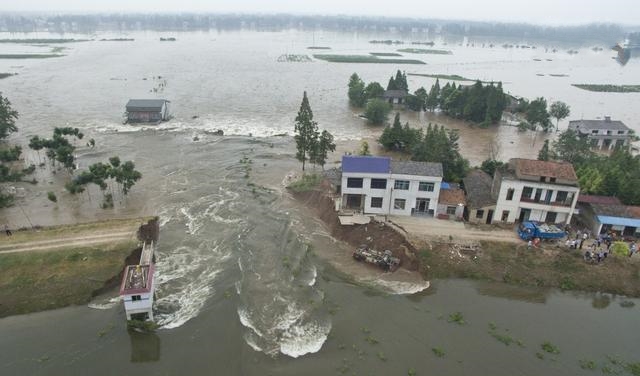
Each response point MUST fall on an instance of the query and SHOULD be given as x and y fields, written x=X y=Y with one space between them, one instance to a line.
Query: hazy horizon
x=540 y=12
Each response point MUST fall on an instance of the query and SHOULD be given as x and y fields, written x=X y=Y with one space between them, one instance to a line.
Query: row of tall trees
x=437 y=144
x=58 y=148
x=369 y=96
x=311 y=145
x=399 y=82
x=616 y=175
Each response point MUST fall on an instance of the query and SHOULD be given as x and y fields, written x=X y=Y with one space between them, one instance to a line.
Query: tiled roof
x=477 y=183
x=416 y=168
x=588 y=125
x=603 y=200
x=533 y=167
x=453 y=196
x=145 y=104
x=394 y=94
x=376 y=165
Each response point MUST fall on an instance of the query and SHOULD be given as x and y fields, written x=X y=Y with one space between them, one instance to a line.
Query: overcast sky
x=556 y=12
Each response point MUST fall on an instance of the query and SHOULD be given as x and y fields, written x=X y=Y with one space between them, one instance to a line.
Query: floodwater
x=249 y=283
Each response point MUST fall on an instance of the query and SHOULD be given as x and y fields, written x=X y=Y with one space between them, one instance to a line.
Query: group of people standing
x=599 y=248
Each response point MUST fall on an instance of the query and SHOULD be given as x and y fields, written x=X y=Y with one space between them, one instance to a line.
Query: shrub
x=620 y=249
x=52 y=196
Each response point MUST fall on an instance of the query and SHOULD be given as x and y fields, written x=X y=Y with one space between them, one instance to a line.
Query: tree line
x=311 y=145
x=436 y=144
x=536 y=113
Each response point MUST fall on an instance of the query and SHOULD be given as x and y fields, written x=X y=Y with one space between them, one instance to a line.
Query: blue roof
x=376 y=165
x=619 y=221
x=444 y=185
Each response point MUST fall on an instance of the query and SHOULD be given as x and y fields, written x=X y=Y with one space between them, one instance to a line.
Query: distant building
x=378 y=185
x=147 y=110
x=532 y=190
x=604 y=134
x=481 y=202
x=394 y=96
x=451 y=202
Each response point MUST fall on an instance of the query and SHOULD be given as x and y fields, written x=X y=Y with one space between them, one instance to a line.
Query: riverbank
x=58 y=266
x=496 y=261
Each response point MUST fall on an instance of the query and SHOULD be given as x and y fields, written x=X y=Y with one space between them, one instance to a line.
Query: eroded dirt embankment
x=376 y=235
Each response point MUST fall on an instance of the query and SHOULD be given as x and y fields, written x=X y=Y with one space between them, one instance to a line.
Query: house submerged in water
x=147 y=110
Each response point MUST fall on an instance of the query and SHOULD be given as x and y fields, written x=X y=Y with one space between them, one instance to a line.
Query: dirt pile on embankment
x=376 y=235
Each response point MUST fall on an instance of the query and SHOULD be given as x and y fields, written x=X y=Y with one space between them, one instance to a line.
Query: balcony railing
x=565 y=203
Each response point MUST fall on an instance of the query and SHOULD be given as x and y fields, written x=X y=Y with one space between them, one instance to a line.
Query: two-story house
x=379 y=185
x=535 y=190
x=604 y=134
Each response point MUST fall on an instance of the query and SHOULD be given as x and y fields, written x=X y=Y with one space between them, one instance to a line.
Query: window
x=561 y=196
x=479 y=214
x=399 y=203
x=526 y=192
x=595 y=131
x=620 y=132
x=354 y=182
x=378 y=183
x=401 y=184
x=505 y=215
x=552 y=180
x=510 y=194
x=543 y=179
x=425 y=186
x=451 y=210
x=376 y=202
x=136 y=298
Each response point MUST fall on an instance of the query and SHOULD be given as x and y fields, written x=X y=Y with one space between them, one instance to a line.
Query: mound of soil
x=376 y=235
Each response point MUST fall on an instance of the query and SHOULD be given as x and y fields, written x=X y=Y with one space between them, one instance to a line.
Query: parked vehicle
x=531 y=230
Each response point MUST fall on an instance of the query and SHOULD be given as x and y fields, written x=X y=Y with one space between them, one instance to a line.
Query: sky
x=550 y=12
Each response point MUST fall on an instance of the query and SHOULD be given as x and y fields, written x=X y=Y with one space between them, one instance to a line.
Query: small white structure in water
x=137 y=288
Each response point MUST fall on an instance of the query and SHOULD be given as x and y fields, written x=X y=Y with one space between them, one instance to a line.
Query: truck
x=384 y=260
x=530 y=230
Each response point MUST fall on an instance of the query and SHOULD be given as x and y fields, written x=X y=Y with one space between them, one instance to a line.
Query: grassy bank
x=42 y=40
x=425 y=51
x=516 y=265
x=38 y=281
x=29 y=56
x=451 y=77
x=364 y=59
x=609 y=88
x=385 y=54
x=318 y=48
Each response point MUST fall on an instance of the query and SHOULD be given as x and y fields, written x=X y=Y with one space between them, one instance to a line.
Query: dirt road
x=420 y=228
x=68 y=237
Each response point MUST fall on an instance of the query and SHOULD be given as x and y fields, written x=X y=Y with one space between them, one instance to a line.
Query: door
x=490 y=216
x=547 y=197
x=551 y=217
x=422 y=205
x=524 y=215
x=536 y=198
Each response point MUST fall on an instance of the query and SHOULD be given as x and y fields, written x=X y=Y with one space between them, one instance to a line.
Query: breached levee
x=280 y=307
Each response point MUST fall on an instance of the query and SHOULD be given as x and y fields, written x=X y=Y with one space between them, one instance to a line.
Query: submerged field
x=29 y=56
x=425 y=51
x=364 y=59
x=609 y=88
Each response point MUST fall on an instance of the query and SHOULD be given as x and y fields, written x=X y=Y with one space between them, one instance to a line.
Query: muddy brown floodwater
x=240 y=291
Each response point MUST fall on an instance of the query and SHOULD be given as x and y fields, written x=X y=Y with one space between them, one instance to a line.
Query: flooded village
x=268 y=197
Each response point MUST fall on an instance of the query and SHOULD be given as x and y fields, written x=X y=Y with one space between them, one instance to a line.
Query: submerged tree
x=377 y=111
x=306 y=130
x=537 y=114
x=545 y=153
x=356 y=91
x=559 y=110
x=8 y=117
x=323 y=146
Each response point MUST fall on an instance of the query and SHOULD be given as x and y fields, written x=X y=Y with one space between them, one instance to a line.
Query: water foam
x=400 y=287
x=105 y=304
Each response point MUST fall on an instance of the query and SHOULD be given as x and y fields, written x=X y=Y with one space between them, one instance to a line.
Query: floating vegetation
x=28 y=56
x=457 y=318
x=424 y=43
x=452 y=77
x=290 y=58
x=381 y=356
x=384 y=54
x=318 y=48
x=5 y=75
x=386 y=41
x=605 y=88
x=588 y=364
x=45 y=40
x=170 y=39
x=550 y=348
x=58 y=49
x=505 y=339
x=425 y=51
x=438 y=351
x=539 y=355
x=117 y=40
x=627 y=304
x=365 y=59
x=411 y=372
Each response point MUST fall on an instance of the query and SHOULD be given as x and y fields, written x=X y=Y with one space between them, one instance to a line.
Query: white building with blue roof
x=379 y=185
